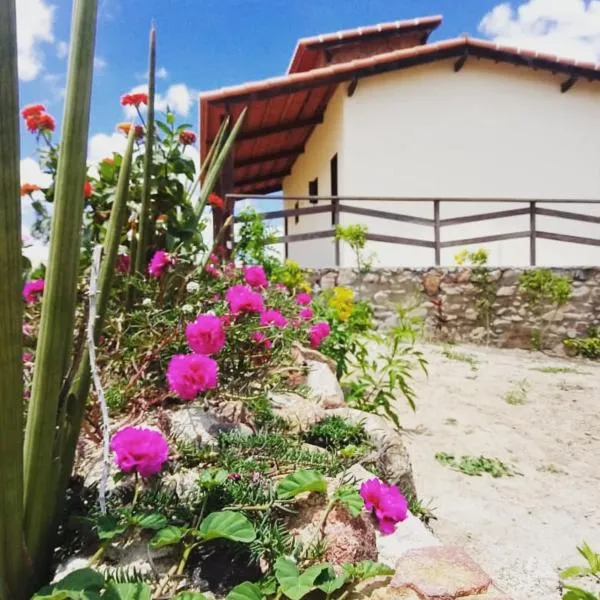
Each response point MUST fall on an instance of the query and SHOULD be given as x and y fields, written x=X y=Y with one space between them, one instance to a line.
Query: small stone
x=463 y=276
x=440 y=573
x=298 y=411
x=381 y=296
x=324 y=386
x=506 y=290
x=471 y=314
x=431 y=283
x=194 y=424
x=580 y=292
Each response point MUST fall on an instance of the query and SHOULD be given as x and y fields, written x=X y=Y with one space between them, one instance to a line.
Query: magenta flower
x=159 y=263
x=32 y=290
x=272 y=317
x=190 y=374
x=122 y=264
x=206 y=334
x=260 y=338
x=27 y=329
x=27 y=357
x=139 y=449
x=255 y=276
x=242 y=299
x=318 y=332
x=306 y=313
x=303 y=299
x=212 y=271
x=386 y=502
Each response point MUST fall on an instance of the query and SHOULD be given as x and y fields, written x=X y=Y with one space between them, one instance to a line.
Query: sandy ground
x=521 y=529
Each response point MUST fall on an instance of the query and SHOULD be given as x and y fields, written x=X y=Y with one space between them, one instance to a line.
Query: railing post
x=436 y=231
x=532 y=234
x=335 y=221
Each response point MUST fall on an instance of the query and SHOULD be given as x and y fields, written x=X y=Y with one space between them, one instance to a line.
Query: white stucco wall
x=489 y=131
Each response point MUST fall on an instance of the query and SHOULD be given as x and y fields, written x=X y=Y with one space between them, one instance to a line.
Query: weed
x=518 y=394
x=335 y=433
x=419 y=509
x=451 y=421
x=592 y=571
x=551 y=468
x=475 y=465
x=556 y=370
x=451 y=354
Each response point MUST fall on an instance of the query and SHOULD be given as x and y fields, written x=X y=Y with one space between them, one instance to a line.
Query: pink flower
x=242 y=299
x=27 y=357
x=386 y=502
x=27 y=329
x=272 y=317
x=214 y=259
x=159 y=263
x=206 y=334
x=190 y=374
x=255 y=276
x=318 y=332
x=212 y=271
x=32 y=290
x=306 y=313
x=122 y=264
x=226 y=320
x=260 y=338
x=139 y=449
x=303 y=299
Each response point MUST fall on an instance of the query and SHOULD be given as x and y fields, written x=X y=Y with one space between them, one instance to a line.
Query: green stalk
x=215 y=168
x=78 y=393
x=144 y=223
x=12 y=543
x=60 y=296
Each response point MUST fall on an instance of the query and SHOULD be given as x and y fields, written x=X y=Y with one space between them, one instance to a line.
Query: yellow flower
x=342 y=301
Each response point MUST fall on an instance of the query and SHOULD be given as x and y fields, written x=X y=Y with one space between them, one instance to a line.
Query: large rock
x=193 y=424
x=324 y=387
x=300 y=412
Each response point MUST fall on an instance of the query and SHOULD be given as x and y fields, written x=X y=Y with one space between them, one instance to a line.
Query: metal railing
x=336 y=207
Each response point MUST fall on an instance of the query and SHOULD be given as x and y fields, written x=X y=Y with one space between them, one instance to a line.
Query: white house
x=378 y=113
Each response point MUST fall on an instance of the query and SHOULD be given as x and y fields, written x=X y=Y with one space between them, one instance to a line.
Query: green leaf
x=108 y=527
x=296 y=585
x=301 y=481
x=575 y=593
x=228 y=525
x=245 y=591
x=189 y=596
x=153 y=521
x=367 y=569
x=127 y=591
x=327 y=581
x=167 y=537
x=213 y=478
x=574 y=571
x=83 y=584
x=350 y=498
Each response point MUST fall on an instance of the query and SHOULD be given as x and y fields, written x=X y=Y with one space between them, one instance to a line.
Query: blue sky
x=205 y=44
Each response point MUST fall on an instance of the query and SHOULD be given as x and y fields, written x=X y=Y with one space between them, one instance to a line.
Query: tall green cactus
x=54 y=347
x=144 y=222
x=12 y=555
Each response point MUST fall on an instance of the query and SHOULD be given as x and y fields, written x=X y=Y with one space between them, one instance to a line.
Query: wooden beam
x=292 y=212
x=260 y=158
x=393 y=239
x=384 y=214
x=565 y=86
x=259 y=192
x=352 y=87
x=563 y=214
x=436 y=231
x=460 y=63
x=501 y=214
x=486 y=238
x=532 y=235
x=279 y=128
x=262 y=178
x=304 y=237
x=573 y=239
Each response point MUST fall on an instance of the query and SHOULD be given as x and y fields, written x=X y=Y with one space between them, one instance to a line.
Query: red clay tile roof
x=307 y=50
x=283 y=111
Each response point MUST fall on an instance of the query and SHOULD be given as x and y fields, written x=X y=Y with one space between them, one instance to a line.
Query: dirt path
x=522 y=528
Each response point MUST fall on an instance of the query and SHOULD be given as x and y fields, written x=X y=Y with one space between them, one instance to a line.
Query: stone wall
x=447 y=299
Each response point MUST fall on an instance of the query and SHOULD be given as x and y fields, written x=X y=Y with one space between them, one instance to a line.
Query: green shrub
x=335 y=433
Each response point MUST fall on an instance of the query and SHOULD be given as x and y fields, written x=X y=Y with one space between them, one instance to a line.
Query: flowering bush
x=140 y=450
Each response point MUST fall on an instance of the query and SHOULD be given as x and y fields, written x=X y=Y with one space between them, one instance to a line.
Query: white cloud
x=161 y=73
x=102 y=145
x=569 y=28
x=35 y=21
x=178 y=97
x=99 y=63
x=62 y=49
x=55 y=83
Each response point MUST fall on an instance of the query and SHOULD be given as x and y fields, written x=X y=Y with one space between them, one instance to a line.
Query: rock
x=347 y=538
x=298 y=411
x=393 y=460
x=184 y=482
x=471 y=314
x=324 y=387
x=463 y=276
x=431 y=283
x=506 y=290
x=439 y=572
x=580 y=292
x=301 y=354
x=195 y=425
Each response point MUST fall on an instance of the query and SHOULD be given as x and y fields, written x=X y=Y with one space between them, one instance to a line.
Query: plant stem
x=187 y=550
x=60 y=297
x=136 y=490
x=98 y=555
x=13 y=576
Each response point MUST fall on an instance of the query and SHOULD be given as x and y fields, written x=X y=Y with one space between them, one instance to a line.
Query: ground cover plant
x=475 y=465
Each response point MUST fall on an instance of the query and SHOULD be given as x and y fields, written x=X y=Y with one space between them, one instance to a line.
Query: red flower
x=29 y=188
x=40 y=122
x=134 y=99
x=216 y=201
x=125 y=127
x=108 y=161
x=32 y=110
x=187 y=138
x=88 y=189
